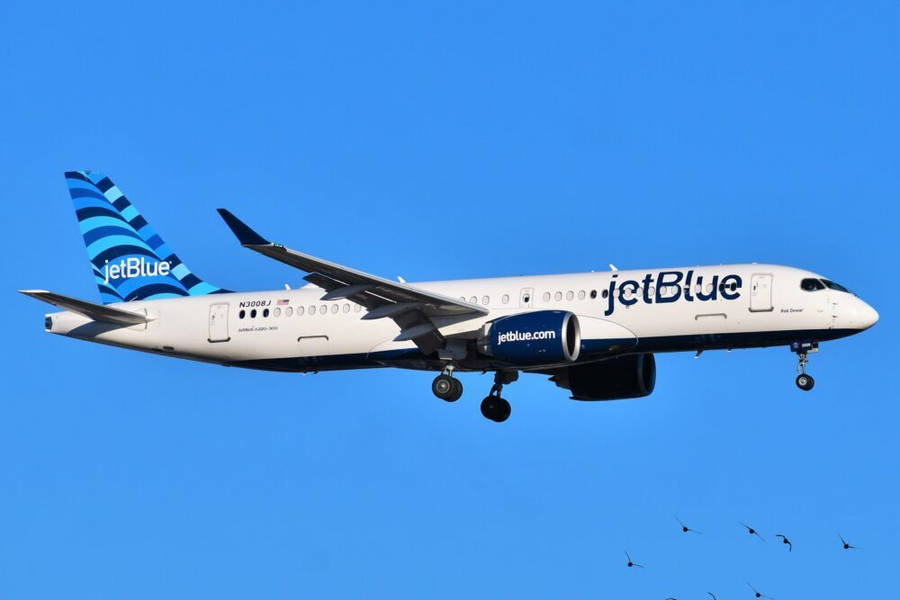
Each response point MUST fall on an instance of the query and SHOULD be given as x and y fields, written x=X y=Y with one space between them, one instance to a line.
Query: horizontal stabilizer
x=97 y=312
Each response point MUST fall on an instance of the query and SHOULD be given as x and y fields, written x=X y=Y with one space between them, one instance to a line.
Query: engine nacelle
x=543 y=337
x=632 y=376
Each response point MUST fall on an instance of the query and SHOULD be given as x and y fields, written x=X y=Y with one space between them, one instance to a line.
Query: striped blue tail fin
x=130 y=261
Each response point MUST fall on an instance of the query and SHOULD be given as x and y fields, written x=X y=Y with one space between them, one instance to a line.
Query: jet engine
x=542 y=337
x=632 y=376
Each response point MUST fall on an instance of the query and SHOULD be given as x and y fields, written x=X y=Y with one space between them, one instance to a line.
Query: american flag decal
x=283 y=302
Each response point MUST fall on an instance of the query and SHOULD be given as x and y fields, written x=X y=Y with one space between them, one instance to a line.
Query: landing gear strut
x=494 y=407
x=804 y=381
x=447 y=387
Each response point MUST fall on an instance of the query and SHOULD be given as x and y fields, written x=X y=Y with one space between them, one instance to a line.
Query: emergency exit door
x=761 y=292
x=218 y=323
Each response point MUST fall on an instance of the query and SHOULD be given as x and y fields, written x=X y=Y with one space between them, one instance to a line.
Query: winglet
x=245 y=235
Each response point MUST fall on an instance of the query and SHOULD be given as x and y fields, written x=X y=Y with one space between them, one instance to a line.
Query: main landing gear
x=447 y=387
x=494 y=407
x=804 y=381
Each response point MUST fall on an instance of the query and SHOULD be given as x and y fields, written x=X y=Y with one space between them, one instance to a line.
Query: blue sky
x=463 y=140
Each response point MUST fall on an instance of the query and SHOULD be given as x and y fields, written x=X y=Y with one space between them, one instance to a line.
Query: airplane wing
x=97 y=312
x=411 y=308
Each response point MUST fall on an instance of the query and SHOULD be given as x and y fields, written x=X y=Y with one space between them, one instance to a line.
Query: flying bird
x=752 y=531
x=685 y=528
x=784 y=540
x=845 y=545
x=759 y=594
x=631 y=563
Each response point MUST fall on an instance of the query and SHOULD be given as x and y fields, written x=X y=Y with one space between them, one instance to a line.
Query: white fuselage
x=695 y=308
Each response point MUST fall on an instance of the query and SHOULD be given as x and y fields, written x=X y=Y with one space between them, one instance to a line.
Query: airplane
x=594 y=334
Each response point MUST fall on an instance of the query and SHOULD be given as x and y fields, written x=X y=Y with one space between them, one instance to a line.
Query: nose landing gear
x=804 y=381
x=494 y=407
x=447 y=387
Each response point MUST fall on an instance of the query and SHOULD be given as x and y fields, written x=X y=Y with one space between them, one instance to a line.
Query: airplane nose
x=868 y=316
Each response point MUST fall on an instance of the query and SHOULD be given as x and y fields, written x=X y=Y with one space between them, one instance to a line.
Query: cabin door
x=761 y=292
x=218 y=323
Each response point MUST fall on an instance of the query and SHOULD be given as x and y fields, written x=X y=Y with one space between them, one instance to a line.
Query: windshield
x=811 y=285
x=835 y=286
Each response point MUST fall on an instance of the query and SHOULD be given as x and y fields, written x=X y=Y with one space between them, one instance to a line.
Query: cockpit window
x=835 y=286
x=812 y=285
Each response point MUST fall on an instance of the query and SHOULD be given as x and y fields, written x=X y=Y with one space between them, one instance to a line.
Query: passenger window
x=253 y=314
x=546 y=296
x=300 y=311
x=473 y=300
x=312 y=309
x=505 y=299
x=265 y=312
x=357 y=308
x=485 y=300
x=557 y=296
x=346 y=308
x=277 y=312
x=335 y=308
x=581 y=294
x=323 y=310
x=605 y=293
x=570 y=295
x=242 y=314
x=593 y=294
x=288 y=311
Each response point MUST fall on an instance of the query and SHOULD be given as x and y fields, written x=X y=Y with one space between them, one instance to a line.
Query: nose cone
x=858 y=315
x=868 y=316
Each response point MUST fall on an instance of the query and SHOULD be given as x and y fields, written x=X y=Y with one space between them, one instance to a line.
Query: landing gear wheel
x=495 y=408
x=503 y=411
x=805 y=382
x=447 y=388
x=457 y=392
x=488 y=406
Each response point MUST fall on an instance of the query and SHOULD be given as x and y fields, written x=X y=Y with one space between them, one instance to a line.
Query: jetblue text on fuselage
x=671 y=286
